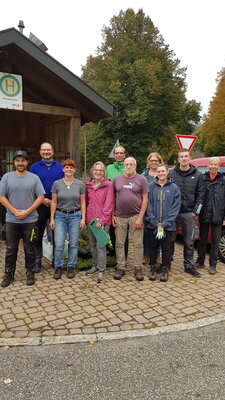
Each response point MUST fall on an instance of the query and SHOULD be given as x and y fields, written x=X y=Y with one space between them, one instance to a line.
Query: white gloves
x=160 y=234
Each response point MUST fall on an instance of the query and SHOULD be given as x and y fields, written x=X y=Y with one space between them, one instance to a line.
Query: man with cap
x=21 y=192
x=48 y=170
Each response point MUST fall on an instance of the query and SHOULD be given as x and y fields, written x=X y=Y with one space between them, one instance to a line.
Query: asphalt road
x=183 y=365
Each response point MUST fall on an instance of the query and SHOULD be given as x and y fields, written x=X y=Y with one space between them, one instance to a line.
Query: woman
x=212 y=214
x=163 y=208
x=99 y=197
x=67 y=217
x=150 y=172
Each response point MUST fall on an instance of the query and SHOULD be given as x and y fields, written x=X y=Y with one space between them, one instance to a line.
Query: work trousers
x=214 y=247
x=187 y=221
x=165 y=244
x=15 y=232
x=122 y=225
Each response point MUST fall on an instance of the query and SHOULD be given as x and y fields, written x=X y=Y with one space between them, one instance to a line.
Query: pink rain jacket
x=99 y=201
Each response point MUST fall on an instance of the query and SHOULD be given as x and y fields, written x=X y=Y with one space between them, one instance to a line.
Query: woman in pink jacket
x=99 y=203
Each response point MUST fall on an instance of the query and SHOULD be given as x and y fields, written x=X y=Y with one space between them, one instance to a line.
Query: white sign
x=186 y=141
x=11 y=91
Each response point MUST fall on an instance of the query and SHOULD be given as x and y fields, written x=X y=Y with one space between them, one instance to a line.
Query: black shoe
x=152 y=274
x=164 y=275
x=7 y=279
x=37 y=267
x=57 y=273
x=30 y=278
x=138 y=275
x=91 y=271
x=70 y=272
x=212 y=269
x=192 y=271
x=119 y=274
x=197 y=265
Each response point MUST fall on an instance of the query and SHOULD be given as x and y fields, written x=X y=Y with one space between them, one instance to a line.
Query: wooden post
x=74 y=142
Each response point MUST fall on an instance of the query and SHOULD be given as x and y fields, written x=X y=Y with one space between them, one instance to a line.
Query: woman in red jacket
x=99 y=203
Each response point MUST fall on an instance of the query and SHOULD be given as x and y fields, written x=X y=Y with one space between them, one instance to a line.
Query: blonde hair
x=97 y=163
x=154 y=154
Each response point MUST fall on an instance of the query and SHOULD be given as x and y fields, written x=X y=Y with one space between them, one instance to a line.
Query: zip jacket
x=190 y=185
x=213 y=209
x=99 y=201
x=163 y=205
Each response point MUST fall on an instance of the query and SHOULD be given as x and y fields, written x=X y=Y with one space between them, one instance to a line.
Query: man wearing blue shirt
x=48 y=170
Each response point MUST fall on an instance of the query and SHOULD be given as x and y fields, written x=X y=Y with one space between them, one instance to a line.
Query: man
x=48 y=170
x=189 y=180
x=117 y=167
x=131 y=199
x=21 y=193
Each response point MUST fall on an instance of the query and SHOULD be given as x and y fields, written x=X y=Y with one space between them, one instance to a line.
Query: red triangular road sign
x=186 y=141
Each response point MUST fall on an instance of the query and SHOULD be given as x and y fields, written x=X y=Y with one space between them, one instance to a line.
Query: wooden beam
x=74 y=142
x=50 y=110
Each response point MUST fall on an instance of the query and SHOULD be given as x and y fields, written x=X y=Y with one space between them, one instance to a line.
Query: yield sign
x=186 y=141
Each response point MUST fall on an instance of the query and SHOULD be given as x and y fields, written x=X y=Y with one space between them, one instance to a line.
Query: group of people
x=141 y=210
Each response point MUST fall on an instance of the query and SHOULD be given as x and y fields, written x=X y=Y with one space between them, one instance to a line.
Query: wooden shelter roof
x=46 y=81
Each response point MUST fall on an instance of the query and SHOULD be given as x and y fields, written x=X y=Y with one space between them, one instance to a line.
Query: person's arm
x=53 y=210
x=5 y=202
x=144 y=204
x=199 y=196
x=21 y=214
x=47 y=202
x=83 y=210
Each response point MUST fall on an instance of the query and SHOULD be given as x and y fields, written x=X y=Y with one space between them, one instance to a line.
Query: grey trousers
x=98 y=253
x=187 y=221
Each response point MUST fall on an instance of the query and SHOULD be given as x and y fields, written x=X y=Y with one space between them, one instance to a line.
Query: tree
x=140 y=75
x=212 y=131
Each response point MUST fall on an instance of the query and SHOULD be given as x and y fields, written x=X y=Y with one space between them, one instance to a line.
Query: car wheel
x=222 y=246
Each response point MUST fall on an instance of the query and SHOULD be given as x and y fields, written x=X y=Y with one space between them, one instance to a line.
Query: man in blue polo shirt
x=48 y=170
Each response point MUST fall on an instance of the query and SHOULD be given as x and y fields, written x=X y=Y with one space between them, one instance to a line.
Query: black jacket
x=213 y=209
x=190 y=185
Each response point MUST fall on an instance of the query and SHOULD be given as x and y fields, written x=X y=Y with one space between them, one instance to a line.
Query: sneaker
x=37 y=267
x=57 y=273
x=30 y=278
x=212 y=269
x=192 y=271
x=100 y=277
x=197 y=265
x=138 y=275
x=70 y=272
x=7 y=279
x=119 y=274
x=91 y=271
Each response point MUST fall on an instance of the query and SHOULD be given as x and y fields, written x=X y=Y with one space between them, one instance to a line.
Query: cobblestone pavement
x=80 y=306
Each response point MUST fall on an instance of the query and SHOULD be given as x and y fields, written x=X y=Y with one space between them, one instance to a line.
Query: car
x=201 y=164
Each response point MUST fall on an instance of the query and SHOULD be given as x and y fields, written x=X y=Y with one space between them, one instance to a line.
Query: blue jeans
x=66 y=223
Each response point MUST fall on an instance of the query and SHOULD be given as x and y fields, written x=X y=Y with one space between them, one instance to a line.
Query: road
x=182 y=365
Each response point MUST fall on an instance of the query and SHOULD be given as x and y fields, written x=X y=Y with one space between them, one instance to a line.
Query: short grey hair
x=131 y=158
x=97 y=163
x=215 y=159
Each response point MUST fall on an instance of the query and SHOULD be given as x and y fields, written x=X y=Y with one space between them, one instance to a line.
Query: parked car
x=201 y=164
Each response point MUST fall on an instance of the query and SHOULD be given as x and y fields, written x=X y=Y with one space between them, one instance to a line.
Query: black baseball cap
x=20 y=153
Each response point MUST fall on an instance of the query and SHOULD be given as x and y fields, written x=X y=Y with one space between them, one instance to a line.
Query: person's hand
x=114 y=221
x=52 y=224
x=21 y=214
x=160 y=234
x=223 y=222
x=82 y=223
x=138 y=223
x=98 y=225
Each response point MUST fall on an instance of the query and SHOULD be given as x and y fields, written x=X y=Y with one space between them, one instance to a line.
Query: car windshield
x=204 y=169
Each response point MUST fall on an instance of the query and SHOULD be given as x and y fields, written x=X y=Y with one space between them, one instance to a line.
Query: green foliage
x=212 y=131
x=140 y=75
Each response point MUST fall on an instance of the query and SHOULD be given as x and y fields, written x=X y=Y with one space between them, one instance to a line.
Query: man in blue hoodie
x=48 y=170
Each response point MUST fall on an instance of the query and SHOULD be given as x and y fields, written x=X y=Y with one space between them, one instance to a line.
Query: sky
x=72 y=30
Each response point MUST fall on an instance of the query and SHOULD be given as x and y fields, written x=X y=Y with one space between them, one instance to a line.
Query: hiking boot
x=57 y=273
x=164 y=275
x=138 y=275
x=159 y=269
x=119 y=274
x=197 y=265
x=212 y=269
x=30 y=278
x=37 y=267
x=192 y=271
x=70 y=272
x=152 y=274
x=100 y=277
x=91 y=271
x=7 y=279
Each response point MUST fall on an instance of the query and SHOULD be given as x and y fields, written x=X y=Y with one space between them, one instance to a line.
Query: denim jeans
x=98 y=253
x=66 y=223
x=15 y=232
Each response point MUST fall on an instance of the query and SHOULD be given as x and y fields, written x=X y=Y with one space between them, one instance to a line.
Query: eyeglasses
x=153 y=160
